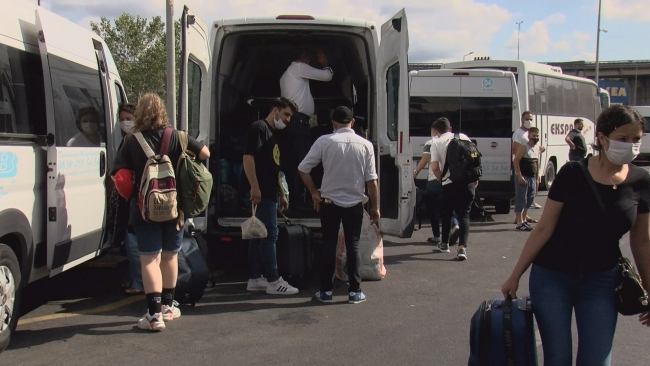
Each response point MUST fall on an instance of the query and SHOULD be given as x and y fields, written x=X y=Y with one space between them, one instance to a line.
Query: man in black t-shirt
x=576 y=141
x=262 y=168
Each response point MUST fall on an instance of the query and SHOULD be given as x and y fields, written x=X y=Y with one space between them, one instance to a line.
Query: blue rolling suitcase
x=193 y=272
x=502 y=332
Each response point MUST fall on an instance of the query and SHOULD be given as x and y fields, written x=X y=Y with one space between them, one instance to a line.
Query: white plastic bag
x=371 y=251
x=253 y=228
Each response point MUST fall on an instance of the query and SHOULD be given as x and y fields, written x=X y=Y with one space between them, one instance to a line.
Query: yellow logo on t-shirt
x=276 y=154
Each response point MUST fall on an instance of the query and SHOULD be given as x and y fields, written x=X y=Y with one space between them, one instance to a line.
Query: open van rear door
x=76 y=166
x=396 y=186
x=195 y=88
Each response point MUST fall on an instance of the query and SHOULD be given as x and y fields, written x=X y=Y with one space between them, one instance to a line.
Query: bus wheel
x=549 y=176
x=502 y=207
x=9 y=293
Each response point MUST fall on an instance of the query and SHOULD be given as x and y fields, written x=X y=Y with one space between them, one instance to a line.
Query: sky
x=440 y=30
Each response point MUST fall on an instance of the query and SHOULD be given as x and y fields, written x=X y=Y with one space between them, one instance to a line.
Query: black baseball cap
x=342 y=115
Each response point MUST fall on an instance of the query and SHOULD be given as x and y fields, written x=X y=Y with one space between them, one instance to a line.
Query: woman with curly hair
x=158 y=243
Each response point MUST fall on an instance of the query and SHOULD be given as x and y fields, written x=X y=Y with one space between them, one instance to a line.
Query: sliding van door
x=76 y=142
x=195 y=86
x=396 y=186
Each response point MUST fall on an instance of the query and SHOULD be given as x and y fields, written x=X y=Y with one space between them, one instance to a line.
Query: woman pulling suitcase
x=574 y=250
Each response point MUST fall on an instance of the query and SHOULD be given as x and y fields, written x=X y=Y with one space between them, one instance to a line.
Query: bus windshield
x=478 y=116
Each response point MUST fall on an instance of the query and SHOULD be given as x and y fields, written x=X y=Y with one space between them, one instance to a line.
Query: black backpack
x=463 y=161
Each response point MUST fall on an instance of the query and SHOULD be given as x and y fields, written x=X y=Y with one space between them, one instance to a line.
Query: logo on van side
x=8 y=165
x=487 y=84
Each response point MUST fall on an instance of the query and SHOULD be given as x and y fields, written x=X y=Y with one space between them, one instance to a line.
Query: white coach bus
x=55 y=76
x=231 y=72
x=556 y=101
x=484 y=105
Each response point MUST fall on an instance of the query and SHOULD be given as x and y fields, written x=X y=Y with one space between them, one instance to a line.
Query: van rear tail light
x=226 y=239
x=295 y=17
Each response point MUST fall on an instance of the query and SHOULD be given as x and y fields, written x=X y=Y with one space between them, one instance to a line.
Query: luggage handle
x=286 y=219
x=508 y=335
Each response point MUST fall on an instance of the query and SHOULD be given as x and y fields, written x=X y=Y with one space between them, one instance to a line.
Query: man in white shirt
x=457 y=197
x=296 y=139
x=434 y=194
x=349 y=166
x=520 y=138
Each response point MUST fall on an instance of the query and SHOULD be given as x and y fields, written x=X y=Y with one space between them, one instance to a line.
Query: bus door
x=194 y=97
x=76 y=143
x=394 y=154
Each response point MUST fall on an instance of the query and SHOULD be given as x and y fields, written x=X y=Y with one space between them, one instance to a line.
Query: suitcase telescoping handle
x=286 y=219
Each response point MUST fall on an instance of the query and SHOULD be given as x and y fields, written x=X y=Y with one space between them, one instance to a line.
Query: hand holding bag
x=253 y=228
x=631 y=297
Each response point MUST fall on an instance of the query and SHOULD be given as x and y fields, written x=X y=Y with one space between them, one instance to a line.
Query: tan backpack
x=157 y=198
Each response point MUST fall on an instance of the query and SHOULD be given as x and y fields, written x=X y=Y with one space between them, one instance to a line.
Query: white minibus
x=484 y=105
x=53 y=74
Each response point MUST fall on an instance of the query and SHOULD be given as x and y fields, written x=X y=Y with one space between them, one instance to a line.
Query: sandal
x=132 y=291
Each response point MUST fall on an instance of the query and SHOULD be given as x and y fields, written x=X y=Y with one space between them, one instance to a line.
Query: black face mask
x=534 y=141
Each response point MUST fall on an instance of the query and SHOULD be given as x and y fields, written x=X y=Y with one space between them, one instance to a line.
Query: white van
x=52 y=196
x=231 y=71
x=484 y=105
x=645 y=146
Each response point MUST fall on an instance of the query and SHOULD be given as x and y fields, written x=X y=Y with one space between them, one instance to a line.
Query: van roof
x=644 y=110
x=301 y=19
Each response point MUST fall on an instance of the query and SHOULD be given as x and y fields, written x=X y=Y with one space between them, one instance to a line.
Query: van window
x=119 y=94
x=481 y=116
x=22 y=97
x=193 y=98
x=78 y=104
x=392 y=98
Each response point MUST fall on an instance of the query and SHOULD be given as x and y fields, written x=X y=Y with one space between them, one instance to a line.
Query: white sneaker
x=171 y=312
x=153 y=323
x=536 y=205
x=257 y=284
x=281 y=287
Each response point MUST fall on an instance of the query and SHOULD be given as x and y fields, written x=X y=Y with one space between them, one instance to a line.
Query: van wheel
x=9 y=294
x=549 y=176
x=502 y=207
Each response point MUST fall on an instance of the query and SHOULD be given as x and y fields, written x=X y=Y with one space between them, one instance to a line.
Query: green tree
x=139 y=50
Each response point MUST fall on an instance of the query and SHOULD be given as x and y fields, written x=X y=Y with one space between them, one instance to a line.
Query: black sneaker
x=524 y=227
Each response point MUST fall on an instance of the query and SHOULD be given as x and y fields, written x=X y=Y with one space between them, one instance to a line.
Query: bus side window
x=78 y=104
x=22 y=98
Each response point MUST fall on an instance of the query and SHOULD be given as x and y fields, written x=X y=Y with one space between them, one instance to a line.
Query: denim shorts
x=154 y=238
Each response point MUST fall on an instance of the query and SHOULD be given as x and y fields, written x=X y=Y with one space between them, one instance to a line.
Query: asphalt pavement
x=418 y=315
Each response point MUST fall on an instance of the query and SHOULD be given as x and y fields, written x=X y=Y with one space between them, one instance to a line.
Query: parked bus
x=56 y=79
x=484 y=105
x=604 y=98
x=231 y=71
x=645 y=147
x=556 y=100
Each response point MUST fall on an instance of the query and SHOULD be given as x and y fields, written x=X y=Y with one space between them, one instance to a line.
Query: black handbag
x=631 y=297
x=118 y=218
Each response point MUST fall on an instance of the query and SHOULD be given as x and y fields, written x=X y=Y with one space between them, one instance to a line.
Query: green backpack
x=193 y=182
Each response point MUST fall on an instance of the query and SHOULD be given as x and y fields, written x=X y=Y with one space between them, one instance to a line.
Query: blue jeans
x=133 y=255
x=434 y=204
x=555 y=295
x=262 y=251
x=525 y=194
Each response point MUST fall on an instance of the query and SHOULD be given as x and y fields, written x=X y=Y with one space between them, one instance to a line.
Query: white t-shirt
x=294 y=84
x=439 y=152
x=520 y=136
x=427 y=151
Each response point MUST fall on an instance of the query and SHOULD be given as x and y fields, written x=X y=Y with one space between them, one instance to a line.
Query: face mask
x=527 y=123
x=126 y=125
x=89 y=127
x=621 y=153
x=279 y=124
x=534 y=141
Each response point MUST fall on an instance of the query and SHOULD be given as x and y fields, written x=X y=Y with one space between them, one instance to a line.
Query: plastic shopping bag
x=253 y=228
x=371 y=251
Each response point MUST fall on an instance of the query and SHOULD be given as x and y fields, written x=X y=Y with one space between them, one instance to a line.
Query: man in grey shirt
x=576 y=141
x=349 y=167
